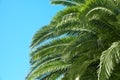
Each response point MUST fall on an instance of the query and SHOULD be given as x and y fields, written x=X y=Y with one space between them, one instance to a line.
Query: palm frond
x=55 y=75
x=108 y=61
x=79 y=67
x=61 y=14
x=50 y=49
x=64 y=2
x=103 y=12
x=84 y=39
x=79 y=1
x=53 y=66
x=50 y=31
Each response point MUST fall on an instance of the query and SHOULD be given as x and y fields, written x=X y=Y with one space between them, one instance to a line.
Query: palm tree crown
x=81 y=42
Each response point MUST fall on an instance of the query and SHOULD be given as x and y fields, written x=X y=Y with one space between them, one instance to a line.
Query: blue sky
x=19 y=20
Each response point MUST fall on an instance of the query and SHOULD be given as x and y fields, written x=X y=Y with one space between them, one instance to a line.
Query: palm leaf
x=53 y=48
x=55 y=75
x=49 y=67
x=79 y=67
x=64 y=2
x=108 y=61
x=50 y=31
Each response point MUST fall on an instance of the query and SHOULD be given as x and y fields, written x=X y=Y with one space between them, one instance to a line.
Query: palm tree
x=81 y=42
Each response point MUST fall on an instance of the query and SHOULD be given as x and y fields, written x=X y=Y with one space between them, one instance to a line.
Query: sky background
x=19 y=20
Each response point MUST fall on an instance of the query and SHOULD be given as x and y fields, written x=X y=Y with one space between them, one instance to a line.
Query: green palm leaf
x=49 y=67
x=55 y=75
x=108 y=61
x=79 y=67
x=50 y=49
x=64 y=2
x=50 y=31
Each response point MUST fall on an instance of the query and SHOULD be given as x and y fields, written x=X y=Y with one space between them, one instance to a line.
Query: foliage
x=81 y=42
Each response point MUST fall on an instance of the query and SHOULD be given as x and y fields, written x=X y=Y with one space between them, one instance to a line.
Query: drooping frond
x=108 y=61
x=79 y=67
x=51 y=49
x=80 y=44
x=55 y=75
x=103 y=12
x=79 y=1
x=61 y=14
x=47 y=68
x=104 y=8
x=64 y=2
x=50 y=31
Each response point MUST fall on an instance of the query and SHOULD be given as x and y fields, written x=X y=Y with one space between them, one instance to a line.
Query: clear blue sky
x=19 y=20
